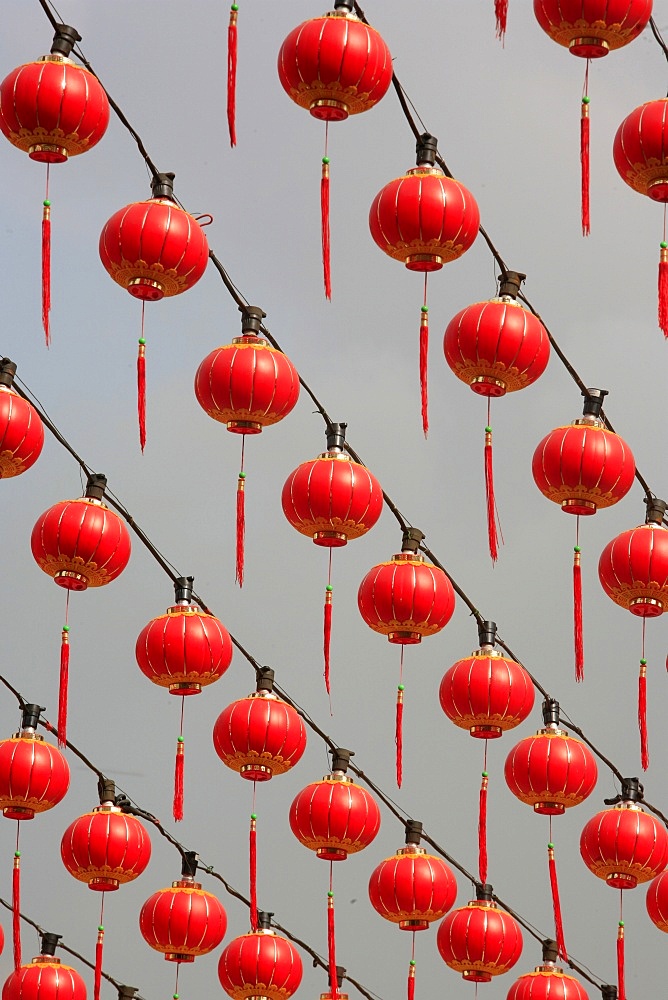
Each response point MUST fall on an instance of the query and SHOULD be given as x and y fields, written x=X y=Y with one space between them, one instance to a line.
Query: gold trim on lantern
x=613 y=36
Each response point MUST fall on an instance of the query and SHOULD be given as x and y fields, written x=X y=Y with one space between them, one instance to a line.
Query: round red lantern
x=547 y=981
x=551 y=770
x=260 y=964
x=479 y=940
x=335 y=817
x=21 y=430
x=261 y=735
x=633 y=568
x=412 y=888
x=589 y=29
x=657 y=901
x=45 y=978
x=486 y=692
x=34 y=776
x=81 y=543
x=624 y=845
x=183 y=921
x=106 y=847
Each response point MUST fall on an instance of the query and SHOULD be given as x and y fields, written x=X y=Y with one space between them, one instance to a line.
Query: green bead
x=329 y=588
x=142 y=341
x=585 y=100
x=576 y=548
x=485 y=774
x=253 y=816
x=100 y=927
x=621 y=923
x=412 y=961
x=325 y=160
x=47 y=203
x=66 y=628
x=550 y=847
x=663 y=245
x=488 y=430
x=17 y=854
x=643 y=663
x=179 y=739
x=330 y=894
x=242 y=475
x=424 y=309
x=401 y=687
x=235 y=6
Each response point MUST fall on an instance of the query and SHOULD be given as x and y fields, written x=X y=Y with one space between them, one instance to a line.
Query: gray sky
x=507 y=123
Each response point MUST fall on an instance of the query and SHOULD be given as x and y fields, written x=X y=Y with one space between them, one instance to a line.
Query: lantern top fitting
x=510 y=283
x=162 y=186
x=340 y=764
x=656 y=510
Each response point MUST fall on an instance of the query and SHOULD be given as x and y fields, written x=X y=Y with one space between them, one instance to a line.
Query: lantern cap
x=50 y=943
x=340 y=976
x=95 y=486
x=487 y=633
x=609 y=992
x=162 y=186
x=593 y=401
x=251 y=319
x=632 y=791
x=344 y=5
x=413 y=831
x=183 y=589
x=126 y=992
x=426 y=149
x=265 y=679
x=264 y=920
x=411 y=539
x=189 y=864
x=484 y=892
x=509 y=283
x=655 y=510
x=64 y=40
x=30 y=716
x=7 y=372
x=106 y=790
x=551 y=712
x=336 y=436
x=550 y=950
x=341 y=759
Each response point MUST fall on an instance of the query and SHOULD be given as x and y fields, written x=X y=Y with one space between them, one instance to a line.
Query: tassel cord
x=410 y=990
x=399 y=723
x=331 y=939
x=63 y=682
x=179 y=768
x=324 y=219
x=621 y=984
x=584 y=156
x=578 y=635
x=232 y=45
x=492 y=535
x=642 y=705
x=46 y=262
x=141 y=383
x=16 y=902
x=424 y=355
x=327 y=630
x=556 y=903
x=482 y=822
x=99 y=948
x=252 y=861
x=241 y=519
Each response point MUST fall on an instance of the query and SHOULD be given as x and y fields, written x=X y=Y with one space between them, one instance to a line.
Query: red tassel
x=16 y=910
x=411 y=980
x=252 y=856
x=621 y=986
x=46 y=269
x=482 y=829
x=62 y=688
x=399 y=734
x=491 y=503
x=97 y=982
x=331 y=947
x=327 y=632
x=642 y=714
x=241 y=528
x=232 y=75
x=556 y=905
x=424 y=350
x=501 y=11
x=177 y=806
x=663 y=289
x=324 y=212
x=584 y=165
x=141 y=392
x=577 y=616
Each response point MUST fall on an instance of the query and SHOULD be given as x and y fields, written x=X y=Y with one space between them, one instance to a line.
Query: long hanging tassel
x=63 y=683
x=663 y=288
x=327 y=632
x=331 y=944
x=98 y=963
x=324 y=213
x=399 y=734
x=252 y=862
x=411 y=980
x=501 y=11
x=621 y=986
x=16 y=908
x=46 y=269
x=491 y=502
x=584 y=164
x=232 y=74
x=424 y=352
x=141 y=389
x=642 y=714
x=577 y=615
x=241 y=528
x=482 y=829
x=556 y=905
x=177 y=805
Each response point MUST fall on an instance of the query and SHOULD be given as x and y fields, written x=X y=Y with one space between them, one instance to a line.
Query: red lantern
x=639 y=152
x=81 y=544
x=45 y=978
x=183 y=650
x=334 y=66
x=496 y=347
x=247 y=385
x=590 y=29
x=547 y=981
x=52 y=109
x=657 y=901
x=479 y=940
x=333 y=500
x=425 y=220
x=183 y=921
x=261 y=963
x=21 y=430
x=153 y=249
x=633 y=570
x=406 y=599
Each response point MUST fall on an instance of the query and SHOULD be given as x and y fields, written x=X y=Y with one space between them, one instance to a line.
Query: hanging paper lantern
x=154 y=249
x=479 y=940
x=261 y=963
x=406 y=599
x=183 y=921
x=45 y=978
x=590 y=29
x=247 y=385
x=335 y=817
x=21 y=430
x=486 y=692
x=334 y=66
x=52 y=109
x=547 y=981
x=639 y=152
x=34 y=775
x=633 y=570
x=657 y=901
x=332 y=500
x=425 y=220
x=583 y=467
x=496 y=347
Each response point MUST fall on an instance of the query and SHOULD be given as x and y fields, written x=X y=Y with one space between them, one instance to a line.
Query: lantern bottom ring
x=424 y=262
x=43 y=152
x=413 y=925
x=332 y=539
x=331 y=853
x=658 y=189
x=589 y=48
x=474 y=976
x=327 y=110
x=486 y=732
x=583 y=507
x=487 y=385
x=549 y=808
x=244 y=427
x=646 y=607
x=185 y=688
x=103 y=883
x=145 y=289
x=70 y=580
x=256 y=772
x=404 y=638
x=176 y=956
x=621 y=880
x=18 y=812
